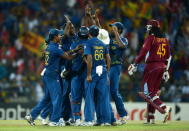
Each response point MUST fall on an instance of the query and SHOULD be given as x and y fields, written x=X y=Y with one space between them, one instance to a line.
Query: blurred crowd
x=20 y=68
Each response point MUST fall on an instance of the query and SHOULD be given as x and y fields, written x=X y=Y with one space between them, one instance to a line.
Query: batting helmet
x=94 y=30
x=83 y=31
x=154 y=23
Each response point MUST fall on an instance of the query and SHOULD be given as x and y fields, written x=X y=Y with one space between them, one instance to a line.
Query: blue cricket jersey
x=77 y=62
x=97 y=49
x=117 y=53
x=53 y=55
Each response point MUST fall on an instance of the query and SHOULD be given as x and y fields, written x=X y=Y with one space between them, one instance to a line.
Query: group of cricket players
x=85 y=66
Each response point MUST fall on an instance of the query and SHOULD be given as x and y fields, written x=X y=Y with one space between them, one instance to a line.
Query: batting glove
x=132 y=68
x=166 y=76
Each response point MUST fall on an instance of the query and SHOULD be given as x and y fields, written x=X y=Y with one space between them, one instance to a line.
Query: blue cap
x=83 y=31
x=119 y=25
x=94 y=30
x=54 y=32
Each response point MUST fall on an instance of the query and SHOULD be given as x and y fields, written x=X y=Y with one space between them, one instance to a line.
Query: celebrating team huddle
x=87 y=65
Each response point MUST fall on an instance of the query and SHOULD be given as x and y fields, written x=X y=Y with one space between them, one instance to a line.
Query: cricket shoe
x=53 y=124
x=61 y=122
x=123 y=120
x=78 y=122
x=56 y=124
x=70 y=122
x=29 y=119
x=97 y=124
x=152 y=121
x=43 y=121
x=105 y=124
x=167 y=113
x=89 y=123
x=115 y=123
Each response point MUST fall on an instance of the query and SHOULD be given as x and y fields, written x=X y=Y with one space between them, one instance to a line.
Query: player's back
x=159 y=49
x=98 y=51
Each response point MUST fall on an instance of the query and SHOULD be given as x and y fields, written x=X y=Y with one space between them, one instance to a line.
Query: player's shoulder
x=150 y=38
x=101 y=43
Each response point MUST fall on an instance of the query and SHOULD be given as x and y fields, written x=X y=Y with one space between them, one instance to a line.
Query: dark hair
x=157 y=32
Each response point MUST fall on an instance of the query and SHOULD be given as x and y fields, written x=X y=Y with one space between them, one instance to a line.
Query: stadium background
x=24 y=24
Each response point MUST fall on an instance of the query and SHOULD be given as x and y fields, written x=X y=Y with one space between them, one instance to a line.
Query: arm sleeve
x=87 y=49
x=146 y=47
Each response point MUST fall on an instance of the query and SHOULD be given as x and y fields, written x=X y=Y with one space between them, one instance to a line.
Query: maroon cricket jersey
x=154 y=50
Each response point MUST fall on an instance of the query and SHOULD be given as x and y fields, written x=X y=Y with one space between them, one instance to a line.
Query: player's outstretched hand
x=132 y=68
x=87 y=10
x=67 y=19
x=89 y=78
x=166 y=76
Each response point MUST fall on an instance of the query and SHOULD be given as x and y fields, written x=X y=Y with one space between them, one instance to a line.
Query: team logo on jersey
x=114 y=42
x=112 y=47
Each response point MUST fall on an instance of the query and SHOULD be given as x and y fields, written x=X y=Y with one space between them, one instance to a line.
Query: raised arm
x=120 y=43
x=88 y=19
x=96 y=19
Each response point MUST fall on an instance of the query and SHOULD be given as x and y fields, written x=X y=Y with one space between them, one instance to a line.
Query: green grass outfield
x=21 y=125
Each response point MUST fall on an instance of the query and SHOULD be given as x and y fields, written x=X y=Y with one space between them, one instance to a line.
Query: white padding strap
x=155 y=97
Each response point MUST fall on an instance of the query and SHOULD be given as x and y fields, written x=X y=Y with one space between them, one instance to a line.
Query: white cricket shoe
x=105 y=124
x=78 y=122
x=167 y=113
x=89 y=123
x=61 y=122
x=29 y=119
x=70 y=122
x=53 y=124
x=123 y=120
x=43 y=121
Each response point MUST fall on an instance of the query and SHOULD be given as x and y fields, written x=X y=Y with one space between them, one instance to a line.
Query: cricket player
x=96 y=89
x=156 y=52
x=79 y=76
x=69 y=38
x=51 y=79
x=117 y=46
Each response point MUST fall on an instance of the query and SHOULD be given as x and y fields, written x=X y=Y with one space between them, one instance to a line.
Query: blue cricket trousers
x=115 y=72
x=97 y=98
x=53 y=94
x=77 y=92
x=66 y=112
x=46 y=111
